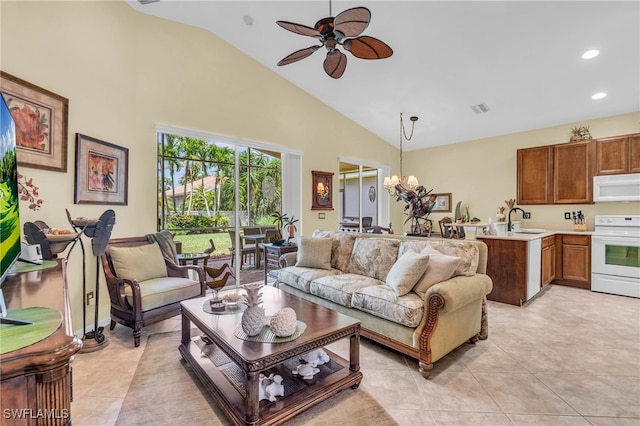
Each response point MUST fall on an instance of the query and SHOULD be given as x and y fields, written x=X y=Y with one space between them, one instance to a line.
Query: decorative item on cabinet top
x=580 y=133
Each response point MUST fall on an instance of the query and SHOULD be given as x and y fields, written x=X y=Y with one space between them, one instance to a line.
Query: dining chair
x=245 y=249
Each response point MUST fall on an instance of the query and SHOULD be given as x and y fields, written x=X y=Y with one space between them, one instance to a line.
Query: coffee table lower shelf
x=325 y=384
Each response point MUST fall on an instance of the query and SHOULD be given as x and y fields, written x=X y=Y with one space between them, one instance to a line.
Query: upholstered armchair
x=144 y=286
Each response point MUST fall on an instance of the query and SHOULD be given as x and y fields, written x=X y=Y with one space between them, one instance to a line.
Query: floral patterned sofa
x=423 y=297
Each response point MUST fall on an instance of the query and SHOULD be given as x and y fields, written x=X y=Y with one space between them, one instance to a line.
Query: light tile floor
x=569 y=357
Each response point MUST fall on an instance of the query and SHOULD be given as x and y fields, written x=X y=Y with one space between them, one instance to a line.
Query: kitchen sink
x=528 y=231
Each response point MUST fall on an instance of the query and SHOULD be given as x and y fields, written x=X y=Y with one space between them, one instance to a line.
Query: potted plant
x=291 y=227
x=280 y=219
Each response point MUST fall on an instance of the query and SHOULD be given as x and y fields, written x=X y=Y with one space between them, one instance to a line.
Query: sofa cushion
x=314 y=252
x=382 y=302
x=373 y=257
x=143 y=262
x=301 y=277
x=406 y=272
x=441 y=267
x=465 y=250
x=339 y=288
x=157 y=292
x=341 y=248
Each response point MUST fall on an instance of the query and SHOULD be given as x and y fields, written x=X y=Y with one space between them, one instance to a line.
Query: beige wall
x=124 y=72
x=482 y=173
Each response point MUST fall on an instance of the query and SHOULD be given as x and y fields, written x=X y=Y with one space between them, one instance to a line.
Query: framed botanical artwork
x=443 y=202
x=101 y=172
x=41 y=120
x=322 y=185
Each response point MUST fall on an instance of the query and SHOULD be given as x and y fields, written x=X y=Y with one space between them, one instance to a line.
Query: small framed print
x=322 y=187
x=443 y=203
x=101 y=172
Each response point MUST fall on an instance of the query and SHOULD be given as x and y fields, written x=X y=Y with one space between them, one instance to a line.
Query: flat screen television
x=9 y=199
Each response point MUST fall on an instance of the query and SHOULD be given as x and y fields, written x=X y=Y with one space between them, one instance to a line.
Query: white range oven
x=615 y=262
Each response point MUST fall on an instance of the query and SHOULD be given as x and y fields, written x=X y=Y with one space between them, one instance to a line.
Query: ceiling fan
x=344 y=30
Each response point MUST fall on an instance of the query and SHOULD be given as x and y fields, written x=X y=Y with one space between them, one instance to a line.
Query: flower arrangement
x=28 y=192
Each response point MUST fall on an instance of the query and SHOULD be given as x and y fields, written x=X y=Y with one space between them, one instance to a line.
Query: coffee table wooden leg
x=186 y=329
x=252 y=401
x=354 y=352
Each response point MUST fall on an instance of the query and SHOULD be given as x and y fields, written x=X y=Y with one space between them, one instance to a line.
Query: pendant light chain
x=403 y=134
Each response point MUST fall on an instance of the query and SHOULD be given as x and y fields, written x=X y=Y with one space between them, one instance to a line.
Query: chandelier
x=408 y=182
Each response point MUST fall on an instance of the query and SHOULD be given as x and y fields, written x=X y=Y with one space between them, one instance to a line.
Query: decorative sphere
x=284 y=323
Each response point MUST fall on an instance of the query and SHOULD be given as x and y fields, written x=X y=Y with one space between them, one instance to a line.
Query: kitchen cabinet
x=548 y=269
x=573 y=261
x=617 y=155
x=514 y=267
x=572 y=174
x=535 y=175
x=634 y=153
x=555 y=174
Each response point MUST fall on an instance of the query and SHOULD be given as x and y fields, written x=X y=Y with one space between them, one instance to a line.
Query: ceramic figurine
x=270 y=387
x=315 y=358
x=306 y=371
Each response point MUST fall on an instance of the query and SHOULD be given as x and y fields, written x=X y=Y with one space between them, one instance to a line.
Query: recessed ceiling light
x=248 y=19
x=590 y=54
x=598 y=95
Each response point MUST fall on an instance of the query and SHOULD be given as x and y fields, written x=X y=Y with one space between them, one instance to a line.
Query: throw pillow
x=441 y=267
x=465 y=250
x=405 y=273
x=314 y=253
x=373 y=257
x=141 y=263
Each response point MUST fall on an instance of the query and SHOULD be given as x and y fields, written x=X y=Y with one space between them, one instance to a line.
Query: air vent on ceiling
x=143 y=2
x=480 y=108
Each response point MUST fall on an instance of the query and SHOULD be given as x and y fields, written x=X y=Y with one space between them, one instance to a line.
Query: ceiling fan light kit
x=343 y=30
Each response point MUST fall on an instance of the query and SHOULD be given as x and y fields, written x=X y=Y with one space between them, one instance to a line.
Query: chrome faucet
x=510 y=224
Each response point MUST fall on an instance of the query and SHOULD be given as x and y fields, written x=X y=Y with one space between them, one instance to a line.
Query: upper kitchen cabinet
x=618 y=155
x=535 y=175
x=572 y=174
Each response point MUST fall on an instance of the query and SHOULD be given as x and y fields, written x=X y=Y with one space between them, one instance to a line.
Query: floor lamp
x=99 y=231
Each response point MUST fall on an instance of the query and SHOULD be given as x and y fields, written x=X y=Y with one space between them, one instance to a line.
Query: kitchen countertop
x=529 y=237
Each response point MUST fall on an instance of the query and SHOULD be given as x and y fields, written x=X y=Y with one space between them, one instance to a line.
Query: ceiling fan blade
x=365 y=47
x=297 y=55
x=335 y=63
x=351 y=22
x=299 y=29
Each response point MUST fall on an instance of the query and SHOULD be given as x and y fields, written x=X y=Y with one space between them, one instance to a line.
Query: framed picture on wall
x=101 y=172
x=41 y=123
x=322 y=187
x=443 y=203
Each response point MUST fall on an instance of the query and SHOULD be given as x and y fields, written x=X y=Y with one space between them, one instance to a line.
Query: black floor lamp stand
x=99 y=231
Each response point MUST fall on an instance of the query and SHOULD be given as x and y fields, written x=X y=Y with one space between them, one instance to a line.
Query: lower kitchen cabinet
x=548 y=270
x=514 y=267
x=573 y=260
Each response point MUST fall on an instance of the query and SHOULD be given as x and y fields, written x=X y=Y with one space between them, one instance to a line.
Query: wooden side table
x=272 y=256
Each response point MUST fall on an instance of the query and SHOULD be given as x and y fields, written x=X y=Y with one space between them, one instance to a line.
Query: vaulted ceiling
x=521 y=59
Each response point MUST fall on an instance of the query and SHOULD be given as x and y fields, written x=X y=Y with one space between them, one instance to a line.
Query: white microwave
x=616 y=188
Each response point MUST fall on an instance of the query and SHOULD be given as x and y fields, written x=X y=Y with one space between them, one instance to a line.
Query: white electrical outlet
x=90 y=299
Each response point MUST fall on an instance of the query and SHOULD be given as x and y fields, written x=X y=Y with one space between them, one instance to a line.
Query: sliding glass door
x=219 y=196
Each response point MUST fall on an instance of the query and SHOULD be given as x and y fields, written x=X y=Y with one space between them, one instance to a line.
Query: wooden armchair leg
x=136 y=337
x=112 y=325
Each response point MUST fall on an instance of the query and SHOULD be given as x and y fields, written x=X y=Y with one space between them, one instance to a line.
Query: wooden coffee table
x=230 y=371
